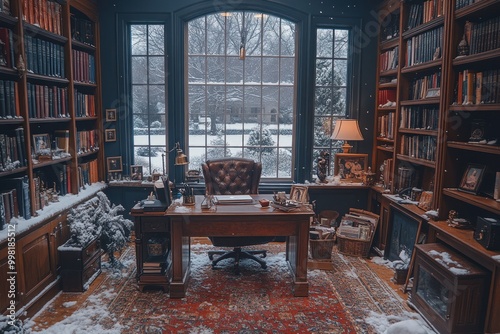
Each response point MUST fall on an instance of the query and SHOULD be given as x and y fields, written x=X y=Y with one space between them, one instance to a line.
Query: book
x=233 y=199
x=496 y=190
x=62 y=139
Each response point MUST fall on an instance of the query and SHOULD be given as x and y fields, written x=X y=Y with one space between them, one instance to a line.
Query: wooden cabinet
x=37 y=264
x=449 y=289
x=80 y=266
x=152 y=247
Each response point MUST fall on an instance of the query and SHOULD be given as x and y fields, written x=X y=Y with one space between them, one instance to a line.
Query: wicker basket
x=321 y=249
x=353 y=247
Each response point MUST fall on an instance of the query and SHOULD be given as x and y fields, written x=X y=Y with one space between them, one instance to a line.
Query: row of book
x=84 y=104
x=420 y=13
x=7 y=57
x=385 y=95
x=478 y=87
x=404 y=177
x=83 y=67
x=389 y=59
x=88 y=173
x=419 y=117
x=5 y=7
x=14 y=199
x=424 y=47
x=45 y=14
x=390 y=26
x=386 y=126
x=12 y=150
x=420 y=147
x=419 y=87
x=483 y=36
x=47 y=101
x=8 y=99
x=44 y=57
x=463 y=3
x=82 y=30
x=86 y=141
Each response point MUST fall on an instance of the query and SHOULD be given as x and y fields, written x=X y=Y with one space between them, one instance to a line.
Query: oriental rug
x=256 y=301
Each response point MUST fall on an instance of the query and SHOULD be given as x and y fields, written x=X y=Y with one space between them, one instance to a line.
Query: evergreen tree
x=99 y=218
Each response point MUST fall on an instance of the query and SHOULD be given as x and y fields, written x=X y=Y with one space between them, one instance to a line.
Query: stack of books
x=152 y=268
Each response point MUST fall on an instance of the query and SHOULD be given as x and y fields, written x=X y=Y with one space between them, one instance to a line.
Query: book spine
x=26 y=198
x=2 y=214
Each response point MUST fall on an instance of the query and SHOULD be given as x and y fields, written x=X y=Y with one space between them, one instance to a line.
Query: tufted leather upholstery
x=230 y=176
x=234 y=176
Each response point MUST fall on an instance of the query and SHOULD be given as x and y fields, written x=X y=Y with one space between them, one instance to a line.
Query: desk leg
x=180 y=260
x=297 y=260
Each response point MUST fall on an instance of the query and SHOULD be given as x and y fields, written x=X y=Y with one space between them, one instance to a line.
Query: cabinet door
x=4 y=288
x=36 y=268
x=60 y=232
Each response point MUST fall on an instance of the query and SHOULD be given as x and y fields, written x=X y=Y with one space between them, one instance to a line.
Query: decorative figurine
x=323 y=163
x=463 y=47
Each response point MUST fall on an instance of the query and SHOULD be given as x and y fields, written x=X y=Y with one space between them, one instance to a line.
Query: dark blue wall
x=308 y=14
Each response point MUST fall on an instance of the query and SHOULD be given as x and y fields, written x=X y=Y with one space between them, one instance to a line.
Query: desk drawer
x=155 y=226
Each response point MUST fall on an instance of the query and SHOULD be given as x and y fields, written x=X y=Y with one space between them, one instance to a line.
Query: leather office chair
x=234 y=176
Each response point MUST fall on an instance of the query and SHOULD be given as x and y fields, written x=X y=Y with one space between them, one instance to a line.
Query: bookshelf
x=409 y=147
x=50 y=121
x=447 y=107
x=50 y=98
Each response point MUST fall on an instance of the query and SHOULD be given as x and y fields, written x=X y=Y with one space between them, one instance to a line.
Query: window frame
x=245 y=86
x=353 y=75
x=175 y=40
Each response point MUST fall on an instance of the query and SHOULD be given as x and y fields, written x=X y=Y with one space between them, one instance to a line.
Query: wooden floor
x=44 y=320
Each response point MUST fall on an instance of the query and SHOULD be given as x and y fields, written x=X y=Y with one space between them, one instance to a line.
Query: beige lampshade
x=346 y=129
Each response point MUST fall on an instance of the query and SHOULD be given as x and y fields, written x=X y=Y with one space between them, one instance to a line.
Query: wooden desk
x=238 y=220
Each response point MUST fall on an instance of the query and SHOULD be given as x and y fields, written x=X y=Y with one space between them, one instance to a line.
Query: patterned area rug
x=257 y=301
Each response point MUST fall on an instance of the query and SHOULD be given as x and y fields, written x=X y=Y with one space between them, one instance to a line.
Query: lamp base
x=346 y=147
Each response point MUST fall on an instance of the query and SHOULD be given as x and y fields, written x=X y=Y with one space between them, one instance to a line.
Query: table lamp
x=346 y=129
x=180 y=158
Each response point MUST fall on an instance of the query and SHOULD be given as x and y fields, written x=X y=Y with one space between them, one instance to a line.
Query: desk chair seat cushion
x=234 y=176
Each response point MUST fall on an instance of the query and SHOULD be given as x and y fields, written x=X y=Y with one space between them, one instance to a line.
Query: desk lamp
x=346 y=129
x=180 y=158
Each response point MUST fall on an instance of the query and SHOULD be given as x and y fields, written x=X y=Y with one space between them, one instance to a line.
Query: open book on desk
x=233 y=199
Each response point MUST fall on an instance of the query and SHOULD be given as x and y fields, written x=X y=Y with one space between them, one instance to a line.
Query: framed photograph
x=136 y=172
x=299 y=194
x=350 y=166
x=471 y=180
x=110 y=135
x=433 y=92
x=114 y=164
x=111 y=115
x=41 y=143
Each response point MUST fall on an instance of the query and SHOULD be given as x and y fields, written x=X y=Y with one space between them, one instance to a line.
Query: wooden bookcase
x=52 y=75
x=463 y=110
x=45 y=66
x=410 y=143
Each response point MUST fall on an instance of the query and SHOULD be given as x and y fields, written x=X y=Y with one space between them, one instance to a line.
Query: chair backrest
x=231 y=176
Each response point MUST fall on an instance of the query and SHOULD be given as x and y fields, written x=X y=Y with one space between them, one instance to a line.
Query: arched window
x=241 y=65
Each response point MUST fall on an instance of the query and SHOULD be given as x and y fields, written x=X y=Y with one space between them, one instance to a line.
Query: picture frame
x=111 y=115
x=136 y=172
x=299 y=194
x=110 y=135
x=433 y=92
x=41 y=143
x=471 y=180
x=350 y=166
x=114 y=164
